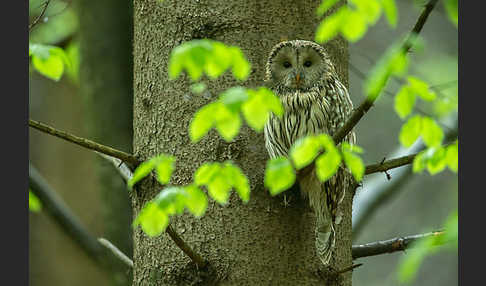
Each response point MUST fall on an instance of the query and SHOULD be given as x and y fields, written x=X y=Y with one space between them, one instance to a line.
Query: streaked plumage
x=315 y=101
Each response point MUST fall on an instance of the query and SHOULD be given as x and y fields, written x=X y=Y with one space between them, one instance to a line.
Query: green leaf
x=354 y=162
x=304 y=151
x=258 y=107
x=241 y=67
x=410 y=131
x=369 y=10
x=234 y=97
x=331 y=25
x=391 y=12
x=51 y=67
x=49 y=60
x=324 y=6
x=421 y=88
x=219 y=189
x=219 y=59
x=452 y=11
x=355 y=26
x=210 y=57
x=39 y=50
x=404 y=102
x=420 y=249
x=412 y=261
x=238 y=181
x=164 y=165
x=394 y=62
x=419 y=162
x=452 y=155
x=431 y=132
x=152 y=219
x=171 y=200
x=451 y=229
x=202 y=121
x=196 y=200
x=228 y=123
x=437 y=162
x=141 y=172
x=73 y=53
x=279 y=175
x=206 y=173
x=34 y=203
x=327 y=164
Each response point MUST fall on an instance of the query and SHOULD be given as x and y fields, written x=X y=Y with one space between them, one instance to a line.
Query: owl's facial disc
x=297 y=68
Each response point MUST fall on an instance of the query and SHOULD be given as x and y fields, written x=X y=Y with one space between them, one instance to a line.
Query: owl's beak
x=297 y=79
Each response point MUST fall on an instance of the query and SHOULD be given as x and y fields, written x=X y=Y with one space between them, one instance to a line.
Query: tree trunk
x=263 y=242
x=106 y=85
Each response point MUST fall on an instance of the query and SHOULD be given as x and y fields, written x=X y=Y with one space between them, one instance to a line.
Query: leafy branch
x=393 y=62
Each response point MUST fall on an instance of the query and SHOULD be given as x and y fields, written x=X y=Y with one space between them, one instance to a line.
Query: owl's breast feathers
x=321 y=109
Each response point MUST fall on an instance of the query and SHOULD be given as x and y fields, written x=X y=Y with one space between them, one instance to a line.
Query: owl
x=302 y=75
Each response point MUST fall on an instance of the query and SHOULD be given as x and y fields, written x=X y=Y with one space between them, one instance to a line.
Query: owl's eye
x=286 y=65
x=307 y=63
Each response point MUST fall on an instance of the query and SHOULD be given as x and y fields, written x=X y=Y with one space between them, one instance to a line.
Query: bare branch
x=128 y=158
x=377 y=191
x=390 y=245
x=61 y=213
x=40 y=15
x=117 y=252
x=70 y=223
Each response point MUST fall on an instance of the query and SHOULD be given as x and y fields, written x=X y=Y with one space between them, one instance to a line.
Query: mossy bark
x=264 y=242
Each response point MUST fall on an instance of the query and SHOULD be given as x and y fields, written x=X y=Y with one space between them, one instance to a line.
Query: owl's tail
x=324 y=231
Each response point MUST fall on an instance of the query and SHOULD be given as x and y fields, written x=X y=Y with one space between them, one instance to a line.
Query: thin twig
x=390 y=164
x=349 y=268
x=40 y=16
x=117 y=252
x=196 y=258
x=125 y=157
x=377 y=192
x=390 y=245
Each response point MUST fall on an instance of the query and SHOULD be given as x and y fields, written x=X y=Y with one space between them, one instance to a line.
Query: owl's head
x=297 y=65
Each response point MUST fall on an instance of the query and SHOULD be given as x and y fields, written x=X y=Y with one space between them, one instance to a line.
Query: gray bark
x=263 y=242
x=106 y=85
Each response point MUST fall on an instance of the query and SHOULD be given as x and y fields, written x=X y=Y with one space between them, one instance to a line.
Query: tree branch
x=378 y=191
x=196 y=258
x=113 y=155
x=390 y=164
x=61 y=213
x=390 y=245
x=123 y=169
x=40 y=15
x=368 y=102
x=128 y=158
x=115 y=251
x=363 y=108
